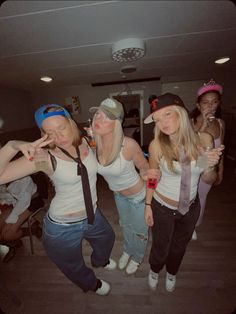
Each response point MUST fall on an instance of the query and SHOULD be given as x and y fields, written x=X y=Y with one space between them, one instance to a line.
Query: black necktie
x=81 y=170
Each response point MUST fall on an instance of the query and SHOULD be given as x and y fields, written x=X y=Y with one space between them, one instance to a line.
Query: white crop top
x=68 y=203
x=119 y=175
x=169 y=184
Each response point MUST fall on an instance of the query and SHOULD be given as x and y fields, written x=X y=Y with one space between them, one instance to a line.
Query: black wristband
x=147 y=204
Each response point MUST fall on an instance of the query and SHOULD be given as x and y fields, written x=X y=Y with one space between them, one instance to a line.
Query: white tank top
x=119 y=175
x=169 y=184
x=68 y=203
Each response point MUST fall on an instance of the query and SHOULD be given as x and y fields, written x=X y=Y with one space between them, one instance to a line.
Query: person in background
x=73 y=214
x=172 y=206
x=16 y=205
x=151 y=98
x=206 y=118
x=148 y=130
x=118 y=158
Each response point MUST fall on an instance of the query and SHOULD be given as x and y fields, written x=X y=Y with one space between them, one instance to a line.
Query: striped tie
x=184 y=197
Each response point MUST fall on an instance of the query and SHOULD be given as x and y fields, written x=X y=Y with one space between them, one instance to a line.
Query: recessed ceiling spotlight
x=46 y=79
x=222 y=60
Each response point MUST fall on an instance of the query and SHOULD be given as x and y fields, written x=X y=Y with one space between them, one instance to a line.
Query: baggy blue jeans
x=63 y=244
x=134 y=227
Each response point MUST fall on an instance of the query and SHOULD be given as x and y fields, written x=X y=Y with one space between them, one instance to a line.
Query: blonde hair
x=187 y=138
x=116 y=144
x=77 y=138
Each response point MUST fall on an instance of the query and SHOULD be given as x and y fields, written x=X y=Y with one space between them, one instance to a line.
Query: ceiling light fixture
x=46 y=79
x=129 y=49
x=222 y=60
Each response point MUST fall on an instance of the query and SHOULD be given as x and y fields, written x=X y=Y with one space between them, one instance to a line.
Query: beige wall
x=91 y=96
x=16 y=109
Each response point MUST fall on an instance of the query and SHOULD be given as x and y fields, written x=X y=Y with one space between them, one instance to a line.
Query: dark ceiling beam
x=126 y=81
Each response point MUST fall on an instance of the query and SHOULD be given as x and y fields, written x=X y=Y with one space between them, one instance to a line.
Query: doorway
x=133 y=109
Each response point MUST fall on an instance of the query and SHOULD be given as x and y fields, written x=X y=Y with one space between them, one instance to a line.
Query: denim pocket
x=52 y=230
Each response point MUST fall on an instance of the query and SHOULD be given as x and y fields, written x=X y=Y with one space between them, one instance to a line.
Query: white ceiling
x=72 y=40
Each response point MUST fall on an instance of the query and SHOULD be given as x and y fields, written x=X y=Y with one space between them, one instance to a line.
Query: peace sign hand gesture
x=29 y=149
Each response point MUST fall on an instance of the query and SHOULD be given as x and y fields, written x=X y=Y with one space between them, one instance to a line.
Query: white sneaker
x=123 y=261
x=194 y=235
x=132 y=267
x=153 y=280
x=170 y=282
x=111 y=265
x=104 y=289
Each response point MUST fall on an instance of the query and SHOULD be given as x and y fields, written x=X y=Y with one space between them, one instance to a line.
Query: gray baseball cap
x=112 y=108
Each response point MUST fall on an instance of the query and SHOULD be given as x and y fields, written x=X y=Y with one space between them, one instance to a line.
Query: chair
x=37 y=203
x=35 y=210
